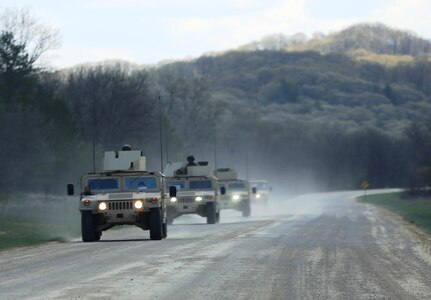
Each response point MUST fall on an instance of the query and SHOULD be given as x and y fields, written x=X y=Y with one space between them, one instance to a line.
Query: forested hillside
x=332 y=89
x=319 y=119
x=325 y=117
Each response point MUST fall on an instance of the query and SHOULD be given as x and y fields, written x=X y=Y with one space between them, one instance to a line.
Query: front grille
x=185 y=199
x=120 y=205
x=121 y=196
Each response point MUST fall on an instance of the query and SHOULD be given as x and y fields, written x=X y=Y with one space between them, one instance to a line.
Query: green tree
x=35 y=124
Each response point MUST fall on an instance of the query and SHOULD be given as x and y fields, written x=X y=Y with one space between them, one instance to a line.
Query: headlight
x=198 y=198
x=102 y=206
x=235 y=197
x=86 y=202
x=257 y=196
x=152 y=200
x=174 y=199
x=138 y=204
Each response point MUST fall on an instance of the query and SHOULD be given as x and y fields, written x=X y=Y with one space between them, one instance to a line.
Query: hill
x=331 y=88
x=317 y=117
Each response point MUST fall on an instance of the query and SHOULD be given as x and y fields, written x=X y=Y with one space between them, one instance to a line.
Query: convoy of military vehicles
x=126 y=193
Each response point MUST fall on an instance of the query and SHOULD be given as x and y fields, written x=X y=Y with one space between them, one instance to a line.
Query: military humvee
x=236 y=192
x=262 y=191
x=194 y=191
x=124 y=193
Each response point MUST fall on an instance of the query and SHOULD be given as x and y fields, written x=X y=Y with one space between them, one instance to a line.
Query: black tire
x=165 y=230
x=88 y=227
x=211 y=213
x=156 y=224
x=246 y=210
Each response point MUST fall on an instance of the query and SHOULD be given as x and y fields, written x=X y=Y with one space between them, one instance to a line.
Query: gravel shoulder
x=418 y=235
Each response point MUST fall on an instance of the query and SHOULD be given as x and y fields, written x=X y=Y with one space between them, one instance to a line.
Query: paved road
x=321 y=246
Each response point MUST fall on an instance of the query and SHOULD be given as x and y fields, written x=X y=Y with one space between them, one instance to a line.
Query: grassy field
x=416 y=210
x=37 y=220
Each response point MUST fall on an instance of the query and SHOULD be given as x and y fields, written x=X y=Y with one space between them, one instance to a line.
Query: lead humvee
x=124 y=193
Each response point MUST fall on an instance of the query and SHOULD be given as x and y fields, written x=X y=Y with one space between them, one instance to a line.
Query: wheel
x=165 y=230
x=88 y=227
x=211 y=213
x=156 y=224
x=246 y=210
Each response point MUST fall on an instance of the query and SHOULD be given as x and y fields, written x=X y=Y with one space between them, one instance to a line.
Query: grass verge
x=21 y=233
x=37 y=220
x=416 y=210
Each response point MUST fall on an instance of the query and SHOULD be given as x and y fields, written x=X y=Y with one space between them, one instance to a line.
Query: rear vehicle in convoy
x=236 y=192
x=261 y=191
x=193 y=190
x=124 y=193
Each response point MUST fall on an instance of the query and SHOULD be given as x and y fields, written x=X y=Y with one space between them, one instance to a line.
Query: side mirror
x=254 y=190
x=223 y=190
x=70 y=189
x=172 y=191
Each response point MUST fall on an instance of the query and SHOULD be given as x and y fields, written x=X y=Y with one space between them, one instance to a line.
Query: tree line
x=358 y=39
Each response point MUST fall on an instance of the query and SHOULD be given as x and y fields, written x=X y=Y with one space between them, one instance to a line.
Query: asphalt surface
x=321 y=246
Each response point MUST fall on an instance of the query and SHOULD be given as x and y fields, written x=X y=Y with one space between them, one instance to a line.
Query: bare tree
x=110 y=104
x=193 y=112
x=30 y=32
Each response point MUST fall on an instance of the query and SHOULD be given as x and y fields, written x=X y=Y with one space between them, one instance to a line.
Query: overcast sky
x=149 y=31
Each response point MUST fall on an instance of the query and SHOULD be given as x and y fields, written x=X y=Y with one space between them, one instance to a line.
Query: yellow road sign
x=365 y=185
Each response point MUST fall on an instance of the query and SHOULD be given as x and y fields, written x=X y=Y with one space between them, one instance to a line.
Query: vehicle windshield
x=140 y=183
x=103 y=184
x=200 y=184
x=179 y=184
x=260 y=185
x=237 y=186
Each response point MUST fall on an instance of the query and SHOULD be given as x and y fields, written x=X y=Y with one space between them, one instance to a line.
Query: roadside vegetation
x=37 y=219
x=414 y=209
x=19 y=233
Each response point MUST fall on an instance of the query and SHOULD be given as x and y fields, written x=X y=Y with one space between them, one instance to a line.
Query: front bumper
x=188 y=204
x=231 y=202
x=260 y=198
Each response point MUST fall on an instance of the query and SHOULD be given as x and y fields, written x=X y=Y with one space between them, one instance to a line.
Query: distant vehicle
x=123 y=194
x=236 y=192
x=193 y=190
x=261 y=189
